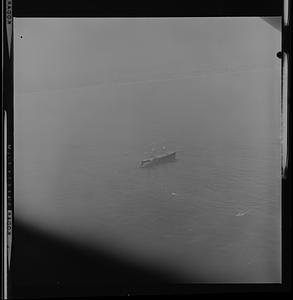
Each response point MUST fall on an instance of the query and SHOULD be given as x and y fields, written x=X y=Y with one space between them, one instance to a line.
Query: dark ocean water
x=214 y=213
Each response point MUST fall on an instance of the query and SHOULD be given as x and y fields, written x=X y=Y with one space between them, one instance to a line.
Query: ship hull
x=160 y=159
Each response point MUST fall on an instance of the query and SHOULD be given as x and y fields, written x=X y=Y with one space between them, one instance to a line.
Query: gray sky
x=70 y=53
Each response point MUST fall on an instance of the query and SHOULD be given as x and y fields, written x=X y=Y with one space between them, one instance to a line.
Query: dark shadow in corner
x=47 y=266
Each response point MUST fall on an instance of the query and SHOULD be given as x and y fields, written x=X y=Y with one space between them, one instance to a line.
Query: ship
x=159 y=159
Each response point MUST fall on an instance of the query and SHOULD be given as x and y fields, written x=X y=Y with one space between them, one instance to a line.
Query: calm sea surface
x=215 y=212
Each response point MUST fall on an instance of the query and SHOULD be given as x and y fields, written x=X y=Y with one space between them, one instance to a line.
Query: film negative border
x=8 y=144
x=201 y=8
x=18 y=8
x=286 y=127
